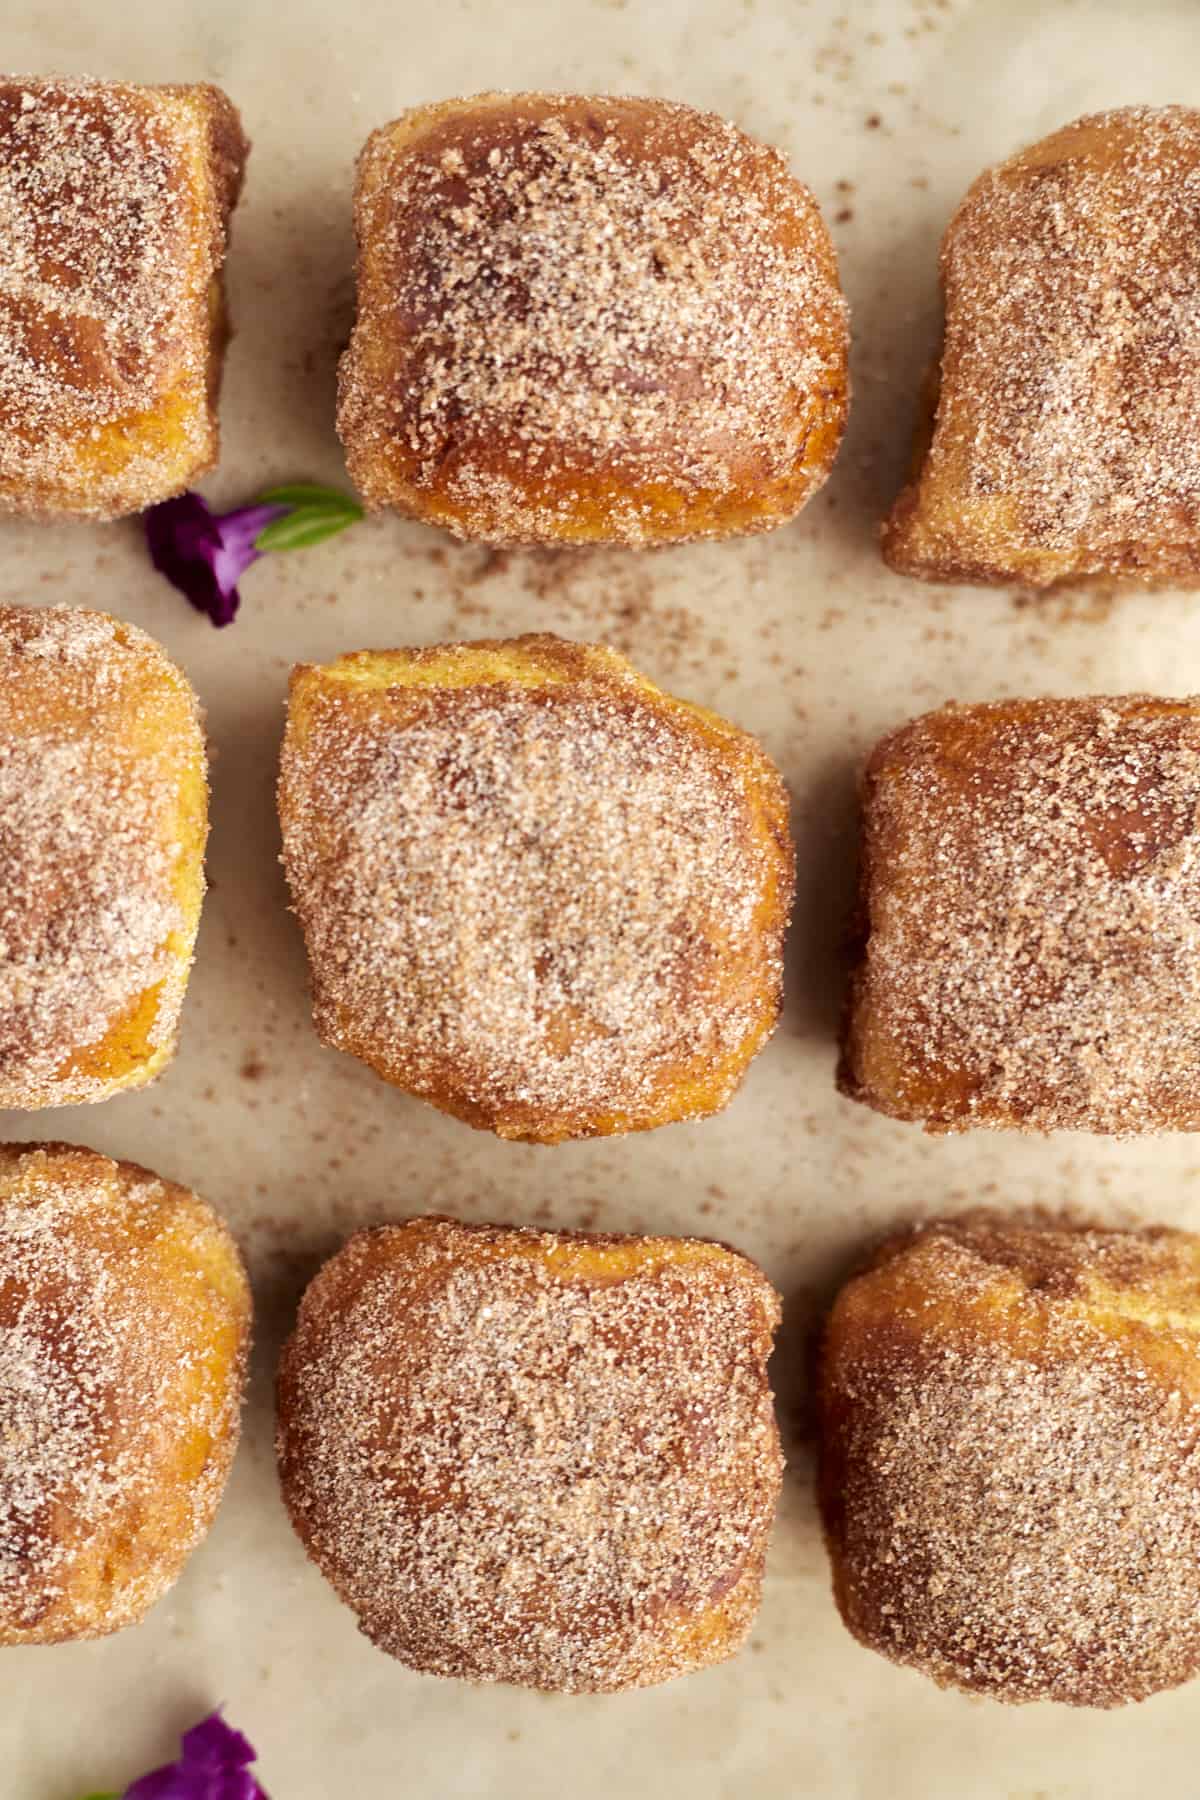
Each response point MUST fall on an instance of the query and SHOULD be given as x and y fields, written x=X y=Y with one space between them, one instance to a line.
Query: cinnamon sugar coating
x=1061 y=438
x=589 y=320
x=1010 y=1459
x=544 y=1458
x=124 y=1324
x=103 y=820
x=535 y=890
x=115 y=203
x=1030 y=918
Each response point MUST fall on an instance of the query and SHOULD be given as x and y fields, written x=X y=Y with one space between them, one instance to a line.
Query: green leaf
x=314 y=513
x=111 y=1796
x=300 y=493
x=301 y=529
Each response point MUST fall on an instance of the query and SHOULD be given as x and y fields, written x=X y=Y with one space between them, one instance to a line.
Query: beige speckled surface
x=888 y=110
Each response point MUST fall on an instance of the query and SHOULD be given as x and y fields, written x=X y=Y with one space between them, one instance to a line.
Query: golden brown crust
x=535 y=890
x=116 y=201
x=545 y=1458
x=1029 y=917
x=1062 y=445
x=589 y=320
x=124 y=1328
x=103 y=821
x=1010 y=1459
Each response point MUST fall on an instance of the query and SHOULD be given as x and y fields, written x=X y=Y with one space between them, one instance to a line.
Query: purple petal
x=183 y=539
x=203 y=553
x=241 y=526
x=177 y=1782
x=213 y=1767
x=235 y=550
x=214 y=1743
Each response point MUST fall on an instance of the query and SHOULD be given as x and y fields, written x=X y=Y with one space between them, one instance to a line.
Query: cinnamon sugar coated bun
x=1010 y=1458
x=589 y=320
x=124 y=1323
x=115 y=203
x=103 y=820
x=1030 y=917
x=535 y=890
x=1060 y=439
x=544 y=1458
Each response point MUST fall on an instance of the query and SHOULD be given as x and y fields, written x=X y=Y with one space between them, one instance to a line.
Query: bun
x=543 y=1458
x=589 y=320
x=1030 y=896
x=1059 y=442
x=103 y=821
x=116 y=203
x=124 y=1323
x=1010 y=1458
x=535 y=890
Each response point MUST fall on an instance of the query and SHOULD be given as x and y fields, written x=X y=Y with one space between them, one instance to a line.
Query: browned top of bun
x=535 y=889
x=102 y=828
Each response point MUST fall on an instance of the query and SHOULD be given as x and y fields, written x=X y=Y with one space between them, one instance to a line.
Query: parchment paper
x=888 y=110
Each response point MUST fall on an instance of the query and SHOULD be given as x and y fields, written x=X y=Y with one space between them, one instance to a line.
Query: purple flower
x=215 y=1765
x=204 y=553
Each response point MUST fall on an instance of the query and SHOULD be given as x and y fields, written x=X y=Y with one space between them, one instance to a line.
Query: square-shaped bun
x=114 y=213
x=589 y=320
x=1062 y=441
x=535 y=890
x=1010 y=1458
x=545 y=1458
x=124 y=1331
x=103 y=819
x=1030 y=918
